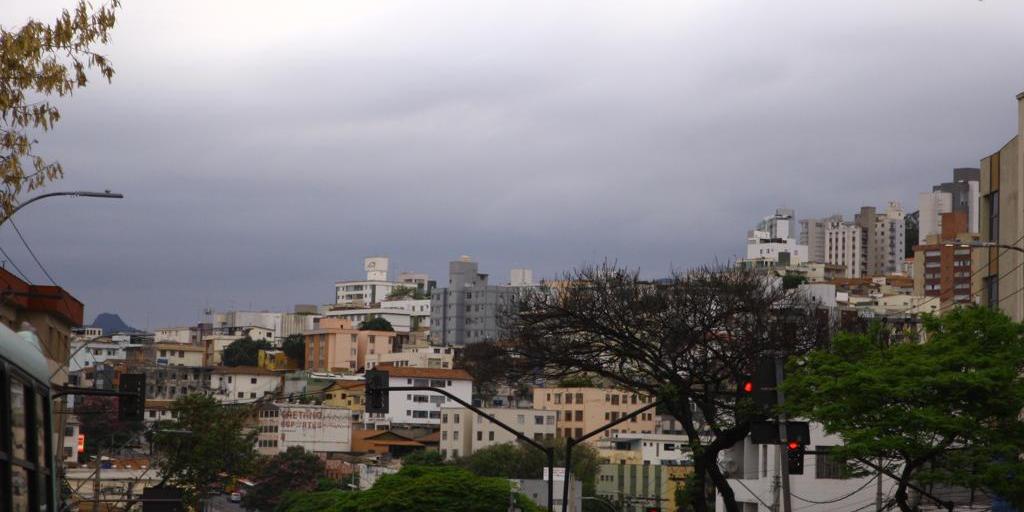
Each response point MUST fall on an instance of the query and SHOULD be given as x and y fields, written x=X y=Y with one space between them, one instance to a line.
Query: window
x=579 y=398
x=579 y=416
x=252 y=380
x=993 y=217
x=241 y=395
x=444 y=436
x=992 y=291
x=479 y=435
x=568 y=415
x=538 y=420
x=825 y=466
x=615 y=399
x=520 y=419
x=490 y=436
x=568 y=398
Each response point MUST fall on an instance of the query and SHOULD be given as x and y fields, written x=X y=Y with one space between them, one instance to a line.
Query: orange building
x=335 y=346
x=581 y=410
x=945 y=270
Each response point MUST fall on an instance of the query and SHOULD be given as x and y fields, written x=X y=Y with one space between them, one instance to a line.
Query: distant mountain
x=111 y=323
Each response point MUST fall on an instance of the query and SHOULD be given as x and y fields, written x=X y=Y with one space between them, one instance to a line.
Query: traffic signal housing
x=132 y=406
x=81 y=443
x=795 y=457
x=376 y=391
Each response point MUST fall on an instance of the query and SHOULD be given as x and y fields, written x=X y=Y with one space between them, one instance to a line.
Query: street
x=221 y=503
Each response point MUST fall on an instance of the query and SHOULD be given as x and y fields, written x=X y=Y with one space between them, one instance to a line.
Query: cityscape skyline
x=528 y=151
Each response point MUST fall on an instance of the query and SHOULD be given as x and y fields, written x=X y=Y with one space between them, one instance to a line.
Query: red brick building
x=945 y=271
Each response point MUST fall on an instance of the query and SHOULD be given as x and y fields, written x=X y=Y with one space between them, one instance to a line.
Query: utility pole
x=96 y=483
x=787 y=500
x=777 y=481
x=878 y=487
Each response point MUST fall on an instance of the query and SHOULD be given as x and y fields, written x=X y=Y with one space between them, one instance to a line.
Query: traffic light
x=795 y=456
x=764 y=384
x=376 y=391
x=652 y=509
x=131 y=407
x=81 y=443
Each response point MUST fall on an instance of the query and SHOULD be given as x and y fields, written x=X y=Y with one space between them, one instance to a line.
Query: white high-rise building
x=844 y=245
x=773 y=237
x=931 y=206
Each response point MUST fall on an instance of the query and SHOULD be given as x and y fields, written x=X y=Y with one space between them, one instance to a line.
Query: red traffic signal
x=748 y=386
x=793 y=445
x=81 y=443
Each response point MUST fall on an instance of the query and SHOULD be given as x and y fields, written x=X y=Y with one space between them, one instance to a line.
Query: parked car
x=236 y=497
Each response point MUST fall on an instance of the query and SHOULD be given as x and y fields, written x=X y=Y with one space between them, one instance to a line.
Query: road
x=222 y=504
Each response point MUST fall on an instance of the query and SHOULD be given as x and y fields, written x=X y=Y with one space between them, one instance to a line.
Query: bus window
x=20 y=488
x=41 y=429
x=18 y=433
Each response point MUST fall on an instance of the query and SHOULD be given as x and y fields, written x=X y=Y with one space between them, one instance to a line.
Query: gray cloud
x=265 y=148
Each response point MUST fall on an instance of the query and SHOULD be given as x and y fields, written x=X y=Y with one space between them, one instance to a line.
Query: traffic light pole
x=548 y=451
x=787 y=498
x=570 y=442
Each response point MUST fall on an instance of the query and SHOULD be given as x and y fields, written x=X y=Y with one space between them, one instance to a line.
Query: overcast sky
x=265 y=148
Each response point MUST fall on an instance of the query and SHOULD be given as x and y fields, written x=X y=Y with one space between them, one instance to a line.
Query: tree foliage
x=39 y=60
x=416 y=489
x=101 y=426
x=205 y=440
x=244 y=352
x=518 y=460
x=686 y=340
x=376 y=324
x=424 y=458
x=294 y=470
x=944 y=411
x=406 y=292
x=295 y=348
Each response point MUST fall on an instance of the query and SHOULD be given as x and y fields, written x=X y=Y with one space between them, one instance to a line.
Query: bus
x=27 y=469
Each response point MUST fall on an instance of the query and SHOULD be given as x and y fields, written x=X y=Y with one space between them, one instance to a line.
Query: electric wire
x=841 y=498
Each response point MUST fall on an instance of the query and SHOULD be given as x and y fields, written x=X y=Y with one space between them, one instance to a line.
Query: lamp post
x=106 y=194
x=981 y=245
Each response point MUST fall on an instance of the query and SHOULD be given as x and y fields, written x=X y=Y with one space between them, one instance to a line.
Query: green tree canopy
x=244 y=352
x=205 y=440
x=295 y=348
x=518 y=460
x=376 y=324
x=945 y=411
x=407 y=292
x=416 y=489
x=424 y=458
x=293 y=470
x=39 y=60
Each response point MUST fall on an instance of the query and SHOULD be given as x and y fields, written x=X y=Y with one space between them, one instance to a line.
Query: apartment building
x=886 y=238
x=463 y=432
x=640 y=487
x=1002 y=183
x=960 y=195
x=417 y=357
x=242 y=384
x=349 y=395
x=947 y=272
x=335 y=346
x=774 y=238
x=176 y=354
x=420 y=408
x=404 y=315
x=372 y=290
x=467 y=310
x=581 y=410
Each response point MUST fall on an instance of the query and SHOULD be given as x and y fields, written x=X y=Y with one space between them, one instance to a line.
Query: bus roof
x=24 y=351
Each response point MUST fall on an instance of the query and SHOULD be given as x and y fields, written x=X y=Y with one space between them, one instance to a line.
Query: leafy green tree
x=101 y=426
x=406 y=292
x=39 y=60
x=376 y=324
x=295 y=348
x=205 y=440
x=518 y=460
x=943 y=411
x=424 y=458
x=293 y=470
x=244 y=352
x=416 y=489
x=790 y=281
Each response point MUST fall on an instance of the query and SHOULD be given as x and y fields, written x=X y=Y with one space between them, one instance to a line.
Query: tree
x=101 y=426
x=416 y=489
x=517 y=460
x=205 y=440
x=244 y=352
x=489 y=363
x=424 y=458
x=293 y=470
x=944 y=411
x=686 y=340
x=401 y=292
x=39 y=61
x=295 y=348
x=376 y=324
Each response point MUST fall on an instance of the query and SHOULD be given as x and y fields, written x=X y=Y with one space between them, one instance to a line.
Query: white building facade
x=315 y=428
x=243 y=384
x=463 y=432
x=421 y=408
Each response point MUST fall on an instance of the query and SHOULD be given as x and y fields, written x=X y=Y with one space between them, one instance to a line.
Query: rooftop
x=424 y=373
x=242 y=370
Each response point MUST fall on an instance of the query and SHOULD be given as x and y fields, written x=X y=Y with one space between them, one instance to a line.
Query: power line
x=32 y=253
x=841 y=498
x=15 y=265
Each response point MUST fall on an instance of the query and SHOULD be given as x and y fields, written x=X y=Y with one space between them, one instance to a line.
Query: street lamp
x=979 y=245
x=106 y=194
